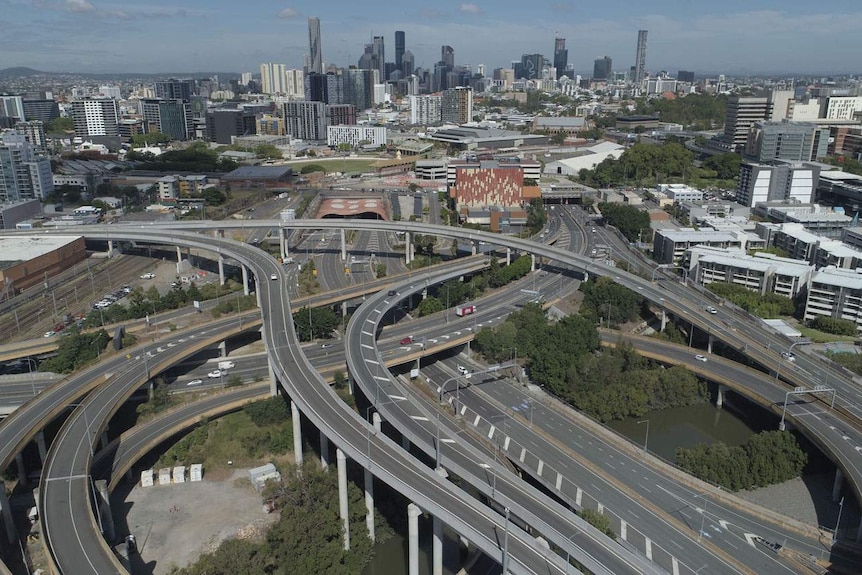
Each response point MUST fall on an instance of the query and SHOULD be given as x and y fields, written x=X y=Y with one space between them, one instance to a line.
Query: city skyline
x=756 y=37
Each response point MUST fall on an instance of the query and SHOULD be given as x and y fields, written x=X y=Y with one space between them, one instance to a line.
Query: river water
x=688 y=426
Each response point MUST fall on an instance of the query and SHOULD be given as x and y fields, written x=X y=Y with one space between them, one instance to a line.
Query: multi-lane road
x=604 y=271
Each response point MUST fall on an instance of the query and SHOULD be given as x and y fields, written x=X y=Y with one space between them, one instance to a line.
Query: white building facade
x=355 y=136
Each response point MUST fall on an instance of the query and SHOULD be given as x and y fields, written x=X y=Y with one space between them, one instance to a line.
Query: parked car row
x=111 y=298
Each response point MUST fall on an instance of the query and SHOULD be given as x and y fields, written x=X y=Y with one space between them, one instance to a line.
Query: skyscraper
x=379 y=57
x=24 y=173
x=399 y=49
x=447 y=56
x=272 y=78
x=603 y=68
x=561 y=56
x=314 y=45
x=640 y=57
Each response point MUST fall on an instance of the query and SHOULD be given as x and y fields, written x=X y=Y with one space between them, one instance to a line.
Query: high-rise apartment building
x=407 y=64
x=294 y=83
x=561 y=57
x=530 y=67
x=95 y=117
x=426 y=110
x=603 y=68
x=314 y=49
x=24 y=174
x=457 y=105
x=171 y=117
x=399 y=50
x=34 y=132
x=640 y=58
x=305 y=120
x=12 y=107
x=273 y=78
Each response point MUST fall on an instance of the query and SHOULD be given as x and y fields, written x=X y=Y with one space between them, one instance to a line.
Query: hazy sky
x=731 y=36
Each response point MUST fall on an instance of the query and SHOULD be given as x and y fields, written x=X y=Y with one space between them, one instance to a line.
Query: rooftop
x=260 y=173
x=24 y=248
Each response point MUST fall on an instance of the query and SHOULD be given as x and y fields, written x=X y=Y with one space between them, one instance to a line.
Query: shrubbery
x=834 y=326
x=764 y=306
x=767 y=458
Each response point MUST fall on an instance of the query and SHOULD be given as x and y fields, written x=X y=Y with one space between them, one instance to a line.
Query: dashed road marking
x=648 y=548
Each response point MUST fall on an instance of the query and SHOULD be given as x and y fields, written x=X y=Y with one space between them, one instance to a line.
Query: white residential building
x=355 y=136
x=763 y=273
x=837 y=294
x=680 y=192
x=272 y=78
x=426 y=110
x=843 y=107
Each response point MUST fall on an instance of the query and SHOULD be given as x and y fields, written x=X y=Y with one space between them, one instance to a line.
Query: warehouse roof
x=16 y=249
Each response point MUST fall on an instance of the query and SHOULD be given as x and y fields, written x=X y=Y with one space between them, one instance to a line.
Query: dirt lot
x=174 y=524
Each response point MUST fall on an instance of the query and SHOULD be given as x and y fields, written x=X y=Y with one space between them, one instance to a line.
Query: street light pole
x=837 y=523
x=646 y=437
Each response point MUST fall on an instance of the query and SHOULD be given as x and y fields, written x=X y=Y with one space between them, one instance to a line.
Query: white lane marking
x=674 y=565
x=463 y=410
x=506 y=443
x=559 y=482
x=419 y=418
x=646 y=489
x=541 y=467
x=624 y=527
x=371 y=321
x=579 y=494
x=724 y=524
x=523 y=454
x=601 y=509
x=374 y=361
x=381 y=378
x=648 y=548
x=477 y=420
x=397 y=398
x=749 y=537
x=491 y=432
x=366 y=346
x=367 y=333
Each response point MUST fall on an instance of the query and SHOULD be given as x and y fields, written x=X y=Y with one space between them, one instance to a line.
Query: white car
x=273 y=277
x=711 y=309
x=788 y=356
x=49 y=334
x=148 y=276
x=216 y=373
x=463 y=370
x=195 y=382
x=699 y=357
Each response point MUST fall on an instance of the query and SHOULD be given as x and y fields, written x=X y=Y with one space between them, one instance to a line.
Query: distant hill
x=20 y=72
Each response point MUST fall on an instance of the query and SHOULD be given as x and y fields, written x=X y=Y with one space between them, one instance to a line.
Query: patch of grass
x=233 y=437
x=822 y=337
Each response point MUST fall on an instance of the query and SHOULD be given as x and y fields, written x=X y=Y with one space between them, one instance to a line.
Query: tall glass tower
x=316 y=56
x=640 y=57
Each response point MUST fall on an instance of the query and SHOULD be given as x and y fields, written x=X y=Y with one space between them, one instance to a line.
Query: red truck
x=463 y=310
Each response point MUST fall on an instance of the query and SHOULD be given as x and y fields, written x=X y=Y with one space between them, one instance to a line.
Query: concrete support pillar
x=104 y=504
x=508 y=256
x=836 y=486
x=245 y=287
x=407 y=247
x=369 y=503
x=412 y=251
x=110 y=248
x=179 y=260
x=376 y=421
x=104 y=439
x=22 y=469
x=532 y=262
x=437 y=555
x=413 y=513
x=189 y=255
x=343 y=245
x=282 y=242
x=344 y=309
x=709 y=343
x=473 y=248
x=221 y=269
x=222 y=349
x=297 y=433
x=342 y=496
x=273 y=381
x=6 y=511
x=719 y=398
x=663 y=320
x=324 y=451
x=40 y=443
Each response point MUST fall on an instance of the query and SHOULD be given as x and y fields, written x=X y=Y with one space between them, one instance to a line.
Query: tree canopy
x=694 y=111
x=629 y=220
x=765 y=306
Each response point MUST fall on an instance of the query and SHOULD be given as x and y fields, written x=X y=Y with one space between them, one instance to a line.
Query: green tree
x=429 y=305
x=314 y=323
x=150 y=139
x=726 y=166
x=270 y=411
x=598 y=520
x=58 y=125
x=633 y=223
